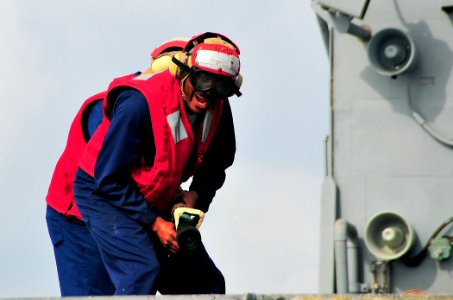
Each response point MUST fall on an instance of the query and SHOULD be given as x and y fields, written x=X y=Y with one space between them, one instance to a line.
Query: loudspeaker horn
x=391 y=52
x=388 y=236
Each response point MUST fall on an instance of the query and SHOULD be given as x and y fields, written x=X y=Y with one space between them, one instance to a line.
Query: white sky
x=262 y=228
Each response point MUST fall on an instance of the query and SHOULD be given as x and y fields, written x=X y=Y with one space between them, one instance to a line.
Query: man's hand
x=167 y=234
x=189 y=197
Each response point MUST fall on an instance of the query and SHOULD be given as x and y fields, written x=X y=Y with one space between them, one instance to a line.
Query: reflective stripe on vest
x=206 y=126
x=177 y=127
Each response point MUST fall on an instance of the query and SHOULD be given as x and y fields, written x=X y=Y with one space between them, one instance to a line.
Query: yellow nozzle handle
x=180 y=210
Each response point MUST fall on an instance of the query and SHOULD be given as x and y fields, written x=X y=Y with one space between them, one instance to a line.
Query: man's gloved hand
x=167 y=233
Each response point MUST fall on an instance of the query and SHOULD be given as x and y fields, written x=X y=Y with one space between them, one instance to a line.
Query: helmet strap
x=182 y=66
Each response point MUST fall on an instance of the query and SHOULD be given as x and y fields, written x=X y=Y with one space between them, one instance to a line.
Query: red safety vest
x=173 y=137
x=60 y=195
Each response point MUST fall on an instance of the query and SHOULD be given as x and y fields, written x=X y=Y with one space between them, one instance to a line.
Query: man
x=161 y=129
x=81 y=271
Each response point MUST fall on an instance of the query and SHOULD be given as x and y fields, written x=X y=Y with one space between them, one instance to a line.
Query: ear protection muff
x=238 y=83
x=163 y=63
x=180 y=65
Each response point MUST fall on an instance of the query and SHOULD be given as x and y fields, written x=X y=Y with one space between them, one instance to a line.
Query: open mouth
x=201 y=101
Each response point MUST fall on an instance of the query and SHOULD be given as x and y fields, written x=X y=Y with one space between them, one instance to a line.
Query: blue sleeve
x=123 y=148
x=94 y=118
x=91 y=118
x=211 y=174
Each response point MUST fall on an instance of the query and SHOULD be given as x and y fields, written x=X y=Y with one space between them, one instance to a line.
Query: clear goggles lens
x=203 y=81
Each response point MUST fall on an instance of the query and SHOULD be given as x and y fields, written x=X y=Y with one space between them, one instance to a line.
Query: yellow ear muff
x=164 y=62
x=174 y=68
x=161 y=64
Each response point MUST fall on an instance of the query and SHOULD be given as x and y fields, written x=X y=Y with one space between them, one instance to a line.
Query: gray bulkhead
x=390 y=148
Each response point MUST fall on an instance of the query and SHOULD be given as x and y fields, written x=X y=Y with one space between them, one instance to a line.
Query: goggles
x=203 y=81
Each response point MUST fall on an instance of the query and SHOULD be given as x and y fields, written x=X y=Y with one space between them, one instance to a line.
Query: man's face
x=197 y=101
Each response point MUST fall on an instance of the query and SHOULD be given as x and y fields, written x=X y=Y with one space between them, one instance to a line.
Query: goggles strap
x=184 y=68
